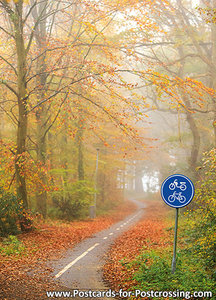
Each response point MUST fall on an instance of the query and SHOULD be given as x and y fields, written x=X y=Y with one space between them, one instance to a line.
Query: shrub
x=200 y=226
x=73 y=202
x=9 y=209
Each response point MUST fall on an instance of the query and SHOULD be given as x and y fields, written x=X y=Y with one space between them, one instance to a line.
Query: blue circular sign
x=177 y=190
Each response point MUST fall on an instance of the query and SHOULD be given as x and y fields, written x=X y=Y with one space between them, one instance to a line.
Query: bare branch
x=29 y=12
x=7 y=32
x=8 y=86
x=35 y=26
x=4 y=59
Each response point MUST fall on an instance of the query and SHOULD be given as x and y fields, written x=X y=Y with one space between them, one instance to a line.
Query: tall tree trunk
x=102 y=177
x=195 y=146
x=41 y=194
x=196 y=142
x=64 y=144
x=41 y=115
x=102 y=180
x=22 y=105
x=80 y=166
x=17 y=19
x=80 y=156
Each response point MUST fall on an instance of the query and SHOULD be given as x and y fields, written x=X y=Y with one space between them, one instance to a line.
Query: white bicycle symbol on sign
x=177 y=196
x=174 y=185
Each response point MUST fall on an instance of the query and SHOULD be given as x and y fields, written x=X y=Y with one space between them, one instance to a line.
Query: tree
x=15 y=15
x=48 y=71
x=175 y=87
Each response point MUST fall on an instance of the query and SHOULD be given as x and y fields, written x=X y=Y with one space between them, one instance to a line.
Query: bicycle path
x=81 y=268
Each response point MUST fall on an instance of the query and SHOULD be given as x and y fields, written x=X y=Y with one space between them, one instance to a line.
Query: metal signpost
x=177 y=191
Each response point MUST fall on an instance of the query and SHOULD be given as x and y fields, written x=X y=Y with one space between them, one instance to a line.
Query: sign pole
x=177 y=191
x=175 y=243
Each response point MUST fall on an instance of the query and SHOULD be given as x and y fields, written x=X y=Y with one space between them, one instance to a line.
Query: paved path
x=81 y=268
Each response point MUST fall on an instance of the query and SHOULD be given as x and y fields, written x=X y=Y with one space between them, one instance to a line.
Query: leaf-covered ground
x=25 y=275
x=149 y=233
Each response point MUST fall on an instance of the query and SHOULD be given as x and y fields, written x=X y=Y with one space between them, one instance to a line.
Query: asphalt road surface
x=81 y=268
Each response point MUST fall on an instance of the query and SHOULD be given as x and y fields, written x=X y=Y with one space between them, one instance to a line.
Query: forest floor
x=24 y=272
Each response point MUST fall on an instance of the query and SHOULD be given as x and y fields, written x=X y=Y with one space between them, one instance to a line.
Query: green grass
x=153 y=272
x=11 y=246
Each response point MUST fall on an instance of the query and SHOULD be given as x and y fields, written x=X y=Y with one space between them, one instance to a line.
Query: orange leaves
x=199 y=86
x=28 y=167
x=171 y=90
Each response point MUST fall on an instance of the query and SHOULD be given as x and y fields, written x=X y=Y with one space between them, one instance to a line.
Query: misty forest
x=100 y=101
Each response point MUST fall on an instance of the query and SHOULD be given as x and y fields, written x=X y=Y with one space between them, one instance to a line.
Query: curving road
x=81 y=268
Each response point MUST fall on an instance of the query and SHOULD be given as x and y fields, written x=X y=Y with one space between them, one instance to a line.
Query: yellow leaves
x=16 y=1
x=208 y=14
